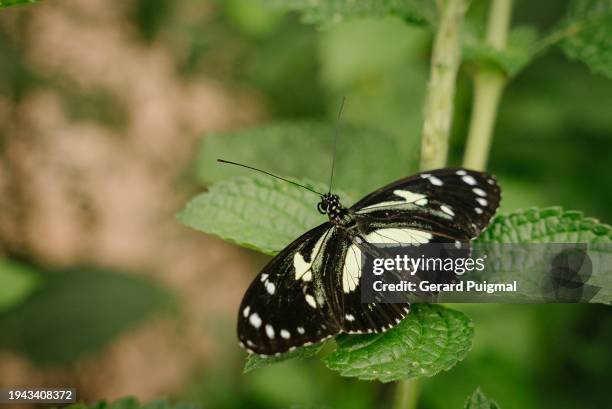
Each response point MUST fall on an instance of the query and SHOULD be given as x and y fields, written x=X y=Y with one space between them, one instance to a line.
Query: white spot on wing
x=301 y=330
x=310 y=300
x=479 y=191
x=481 y=201
x=255 y=320
x=447 y=210
x=435 y=181
x=421 y=202
x=303 y=268
x=285 y=334
x=270 y=287
x=461 y=172
x=469 y=180
x=478 y=210
x=269 y=331
x=349 y=317
x=399 y=236
x=264 y=277
x=245 y=312
x=410 y=197
x=300 y=265
x=351 y=271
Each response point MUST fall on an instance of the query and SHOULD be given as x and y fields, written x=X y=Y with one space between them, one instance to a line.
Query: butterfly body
x=311 y=290
x=331 y=206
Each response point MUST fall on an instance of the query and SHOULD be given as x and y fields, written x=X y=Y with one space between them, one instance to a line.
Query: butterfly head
x=331 y=206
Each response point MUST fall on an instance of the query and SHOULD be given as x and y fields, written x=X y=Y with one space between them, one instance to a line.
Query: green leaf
x=553 y=225
x=76 y=312
x=328 y=12
x=518 y=53
x=132 y=403
x=303 y=149
x=429 y=340
x=548 y=225
x=257 y=212
x=478 y=400
x=17 y=282
x=255 y=361
x=587 y=34
x=8 y=3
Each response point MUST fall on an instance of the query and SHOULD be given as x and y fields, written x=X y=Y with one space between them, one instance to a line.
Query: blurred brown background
x=95 y=151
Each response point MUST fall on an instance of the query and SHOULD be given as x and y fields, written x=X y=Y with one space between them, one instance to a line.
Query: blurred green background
x=110 y=119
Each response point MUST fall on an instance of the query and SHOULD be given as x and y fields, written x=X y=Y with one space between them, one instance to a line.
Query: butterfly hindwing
x=371 y=239
x=286 y=306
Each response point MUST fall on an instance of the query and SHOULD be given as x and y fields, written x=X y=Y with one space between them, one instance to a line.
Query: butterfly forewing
x=458 y=199
x=286 y=306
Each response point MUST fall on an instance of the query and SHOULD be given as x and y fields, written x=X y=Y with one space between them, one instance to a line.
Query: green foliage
x=255 y=361
x=478 y=400
x=304 y=148
x=382 y=80
x=17 y=282
x=132 y=403
x=549 y=225
x=587 y=29
x=76 y=312
x=429 y=340
x=511 y=60
x=327 y=12
x=257 y=212
x=584 y=34
x=8 y=3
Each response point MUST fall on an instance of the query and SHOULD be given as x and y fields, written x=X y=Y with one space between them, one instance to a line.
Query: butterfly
x=310 y=291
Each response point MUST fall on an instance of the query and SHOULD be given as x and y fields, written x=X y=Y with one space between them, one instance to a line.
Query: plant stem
x=488 y=87
x=445 y=60
x=407 y=394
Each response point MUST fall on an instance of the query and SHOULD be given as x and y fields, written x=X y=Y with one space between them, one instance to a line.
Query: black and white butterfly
x=311 y=290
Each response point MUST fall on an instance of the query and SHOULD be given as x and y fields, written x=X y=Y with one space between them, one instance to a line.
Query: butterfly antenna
x=337 y=131
x=269 y=174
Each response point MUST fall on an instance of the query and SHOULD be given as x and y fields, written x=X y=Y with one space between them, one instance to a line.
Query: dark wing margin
x=286 y=306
